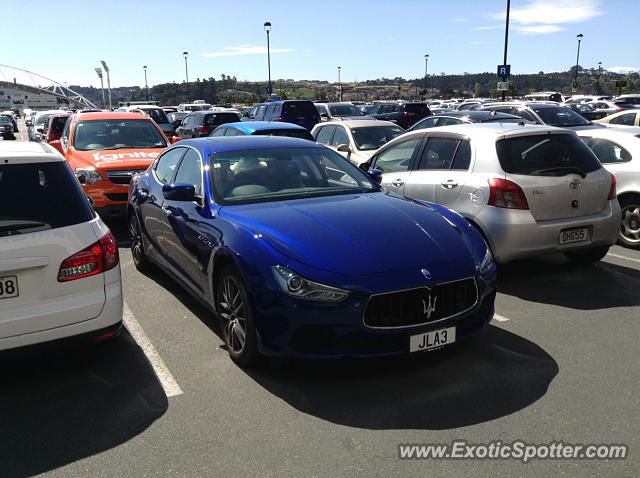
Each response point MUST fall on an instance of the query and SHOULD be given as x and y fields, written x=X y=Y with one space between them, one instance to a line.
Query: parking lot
x=558 y=363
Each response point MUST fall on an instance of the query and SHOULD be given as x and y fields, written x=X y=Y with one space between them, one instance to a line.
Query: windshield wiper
x=560 y=169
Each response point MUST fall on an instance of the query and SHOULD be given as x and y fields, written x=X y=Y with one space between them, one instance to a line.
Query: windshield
x=372 y=137
x=561 y=116
x=245 y=177
x=117 y=134
x=345 y=110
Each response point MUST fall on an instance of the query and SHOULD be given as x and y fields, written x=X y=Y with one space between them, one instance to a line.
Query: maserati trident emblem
x=429 y=308
x=426 y=274
x=574 y=183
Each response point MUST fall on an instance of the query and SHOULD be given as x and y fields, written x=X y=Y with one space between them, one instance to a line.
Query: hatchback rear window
x=418 y=108
x=36 y=197
x=300 y=108
x=546 y=155
x=221 y=118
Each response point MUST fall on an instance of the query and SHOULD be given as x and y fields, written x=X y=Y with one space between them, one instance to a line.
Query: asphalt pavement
x=164 y=399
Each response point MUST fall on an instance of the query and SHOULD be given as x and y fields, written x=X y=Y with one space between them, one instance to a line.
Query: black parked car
x=198 y=124
x=587 y=111
x=6 y=128
x=404 y=115
x=301 y=112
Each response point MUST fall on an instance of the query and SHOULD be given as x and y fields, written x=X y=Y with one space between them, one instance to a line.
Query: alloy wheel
x=232 y=310
x=630 y=228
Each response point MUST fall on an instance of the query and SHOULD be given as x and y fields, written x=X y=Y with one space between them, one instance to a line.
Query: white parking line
x=618 y=256
x=500 y=318
x=169 y=384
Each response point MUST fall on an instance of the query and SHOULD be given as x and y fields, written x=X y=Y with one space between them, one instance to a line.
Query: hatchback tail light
x=99 y=257
x=279 y=119
x=203 y=130
x=612 y=189
x=506 y=194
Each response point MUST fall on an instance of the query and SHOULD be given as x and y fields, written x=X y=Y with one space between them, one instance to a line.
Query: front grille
x=122 y=177
x=117 y=196
x=422 y=305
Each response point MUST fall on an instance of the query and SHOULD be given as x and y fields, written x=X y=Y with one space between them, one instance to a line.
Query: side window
x=462 y=159
x=449 y=121
x=64 y=139
x=625 y=120
x=607 y=151
x=166 y=165
x=340 y=137
x=426 y=123
x=526 y=115
x=398 y=157
x=187 y=120
x=374 y=111
x=190 y=171
x=233 y=132
x=261 y=111
x=439 y=153
x=219 y=132
x=325 y=135
x=271 y=109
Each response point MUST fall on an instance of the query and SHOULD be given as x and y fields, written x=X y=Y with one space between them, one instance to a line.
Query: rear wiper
x=559 y=169
x=8 y=229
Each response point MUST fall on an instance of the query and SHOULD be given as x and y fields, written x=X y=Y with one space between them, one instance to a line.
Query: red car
x=55 y=127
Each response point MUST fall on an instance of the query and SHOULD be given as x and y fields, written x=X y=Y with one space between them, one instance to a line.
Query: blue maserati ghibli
x=301 y=254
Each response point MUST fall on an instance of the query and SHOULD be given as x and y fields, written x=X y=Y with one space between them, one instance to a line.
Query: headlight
x=88 y=176
x=486 y=263
x=301 y=288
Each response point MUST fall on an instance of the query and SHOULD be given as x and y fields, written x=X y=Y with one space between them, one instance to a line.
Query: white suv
x=59 y=265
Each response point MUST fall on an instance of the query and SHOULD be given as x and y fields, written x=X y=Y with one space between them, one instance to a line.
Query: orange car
x=105 y=150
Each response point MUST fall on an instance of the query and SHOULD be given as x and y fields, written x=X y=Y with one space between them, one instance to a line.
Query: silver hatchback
x=529 y=189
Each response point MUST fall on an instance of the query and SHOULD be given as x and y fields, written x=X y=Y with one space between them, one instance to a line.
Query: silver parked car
x=529 y=189
x=619 y=152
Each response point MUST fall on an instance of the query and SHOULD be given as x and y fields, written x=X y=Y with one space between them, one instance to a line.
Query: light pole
x=506 y=44
x=106 y=69
x=267 y=28
x=339 y=85
x=186 y=73
x=426 y=69
x=599 y=74
x=99 y=72
x=579 y=36
x=146 y=86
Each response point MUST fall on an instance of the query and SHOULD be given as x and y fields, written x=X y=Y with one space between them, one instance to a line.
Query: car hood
x=353 y=234
x=135 y=158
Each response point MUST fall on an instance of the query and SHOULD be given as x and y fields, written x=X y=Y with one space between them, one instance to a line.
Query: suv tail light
x=99 y=257
x=203 y=130
x=408 y=113
x=612 y=189
x=507 y=194
x=279 y=118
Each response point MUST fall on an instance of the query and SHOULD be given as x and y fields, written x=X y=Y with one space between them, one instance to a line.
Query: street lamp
x=186 y=73
x=146 y=86
x=99 y=72
x=579 y=36
x=267 y=28
x=426 y=66
x=506 y=44
x=339 y=85
x=106 y=69
x=599 y=74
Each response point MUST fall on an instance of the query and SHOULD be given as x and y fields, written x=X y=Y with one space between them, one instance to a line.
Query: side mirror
x=376 y=175
x=57 y=145
x=82 y=179
x=175 y=139
x=344 y=148
x=40 y=130
x=324 y=115
x=179 y=192
x=365 y=166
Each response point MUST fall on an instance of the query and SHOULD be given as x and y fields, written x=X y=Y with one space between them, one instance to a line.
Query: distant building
x=17 y=96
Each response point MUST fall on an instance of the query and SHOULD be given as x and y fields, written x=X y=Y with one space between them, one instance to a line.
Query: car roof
x=474 y=114
x=251 y=126
x=25 y=152
x=492 y=128
x=628 y=133
x=221 y=144
x=110 y=115
x=360 y=123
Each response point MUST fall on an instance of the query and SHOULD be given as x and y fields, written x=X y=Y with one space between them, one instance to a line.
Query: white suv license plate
x=432 y=340
x=8 y=287
x=574 y=235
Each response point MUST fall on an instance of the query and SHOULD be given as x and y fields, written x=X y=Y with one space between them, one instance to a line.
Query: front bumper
x=515 y=234
x=108 y=199
x=292 y=328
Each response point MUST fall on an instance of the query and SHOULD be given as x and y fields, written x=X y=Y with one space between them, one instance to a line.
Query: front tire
x=630 y=227
x=138 y=253
x=234 y=309
x=588 y=256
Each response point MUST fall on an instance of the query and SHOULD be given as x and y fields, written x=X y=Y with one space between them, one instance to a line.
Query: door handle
x=449 y=184
x=397 y=182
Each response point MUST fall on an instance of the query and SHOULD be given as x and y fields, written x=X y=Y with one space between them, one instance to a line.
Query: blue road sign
x=504 y=71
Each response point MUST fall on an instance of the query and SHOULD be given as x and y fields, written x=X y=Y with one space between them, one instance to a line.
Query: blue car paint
x=250 y=127
x=367 y=243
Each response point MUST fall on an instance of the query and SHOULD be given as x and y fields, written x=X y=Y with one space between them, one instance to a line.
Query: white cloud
x=544 y=16
x=477 y=42
x=244 y=50
x=624 y=69
x=489 y=27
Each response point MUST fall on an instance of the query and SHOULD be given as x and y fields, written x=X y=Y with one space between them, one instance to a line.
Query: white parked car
x=356 y=140
x=619 y=153
x=59 y=265
x=622 y=118
x=529 y=189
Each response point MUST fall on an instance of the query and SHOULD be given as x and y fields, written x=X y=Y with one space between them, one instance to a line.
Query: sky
x=368 y=39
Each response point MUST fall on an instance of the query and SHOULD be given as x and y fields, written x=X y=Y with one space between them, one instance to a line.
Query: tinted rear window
x=300 y=108
x=291 y=133
x=41 y=196
x=221 y=118
x=418 y=108
x=546 y=155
